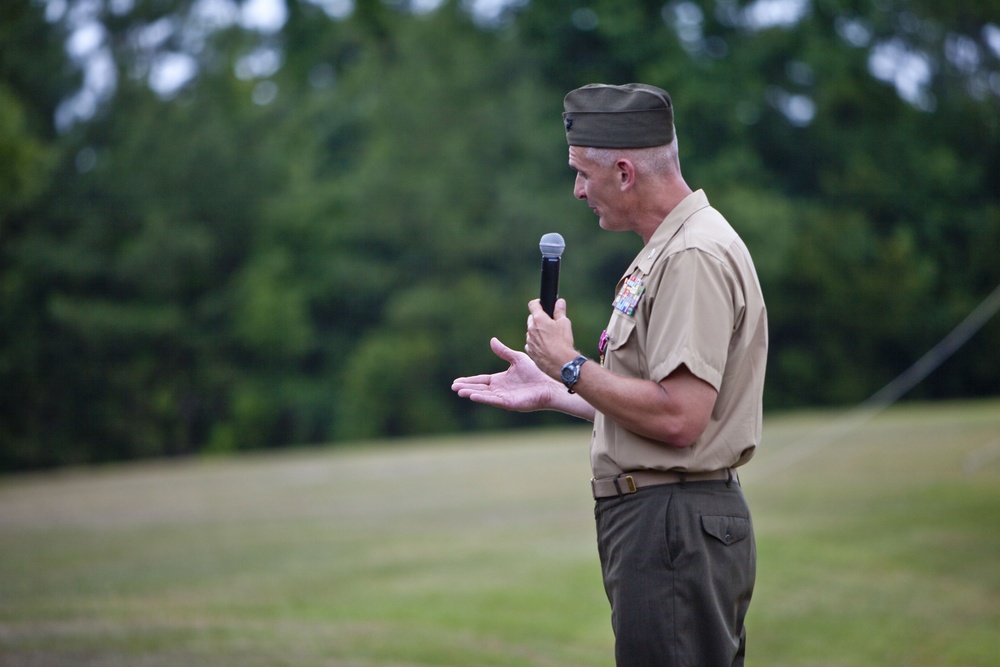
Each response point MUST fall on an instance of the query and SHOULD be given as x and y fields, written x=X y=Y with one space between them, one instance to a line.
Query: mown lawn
x=879 y=548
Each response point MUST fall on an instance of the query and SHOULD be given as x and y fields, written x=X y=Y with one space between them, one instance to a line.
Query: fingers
x=535 y=308
x=474 y=393
x=472 y=384
x=481 y=381
x=477 y=389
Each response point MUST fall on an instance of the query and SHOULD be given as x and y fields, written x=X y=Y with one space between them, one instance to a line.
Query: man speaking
x=674 y=395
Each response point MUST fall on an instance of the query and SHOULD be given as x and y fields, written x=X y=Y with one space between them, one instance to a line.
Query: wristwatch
x=571 y=372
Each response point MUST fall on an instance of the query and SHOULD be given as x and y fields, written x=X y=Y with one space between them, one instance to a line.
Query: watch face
x=571 y=372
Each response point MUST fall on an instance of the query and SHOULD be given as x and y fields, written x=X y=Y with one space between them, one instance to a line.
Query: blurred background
x=244 y=225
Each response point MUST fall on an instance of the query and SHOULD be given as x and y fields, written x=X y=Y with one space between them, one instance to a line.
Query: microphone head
x=552 y=245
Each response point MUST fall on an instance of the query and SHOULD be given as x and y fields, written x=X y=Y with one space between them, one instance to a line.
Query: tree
x=307 y=230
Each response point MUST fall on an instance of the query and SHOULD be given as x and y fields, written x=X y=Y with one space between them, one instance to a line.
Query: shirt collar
x=671 y=224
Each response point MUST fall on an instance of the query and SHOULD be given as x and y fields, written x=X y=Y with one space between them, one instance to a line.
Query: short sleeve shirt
x=691 y=297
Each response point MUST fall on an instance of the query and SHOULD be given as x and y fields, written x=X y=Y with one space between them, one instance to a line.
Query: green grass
x=881 y=548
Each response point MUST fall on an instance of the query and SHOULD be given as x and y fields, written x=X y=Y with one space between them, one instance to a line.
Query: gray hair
x=657 y=160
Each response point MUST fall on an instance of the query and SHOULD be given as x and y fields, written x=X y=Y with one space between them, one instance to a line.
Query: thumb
x=502 y=350
x=560 y=310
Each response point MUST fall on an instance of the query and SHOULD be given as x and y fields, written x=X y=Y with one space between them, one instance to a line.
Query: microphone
x=552 y=246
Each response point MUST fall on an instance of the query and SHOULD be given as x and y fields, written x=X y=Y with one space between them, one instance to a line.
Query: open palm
x=521 y=388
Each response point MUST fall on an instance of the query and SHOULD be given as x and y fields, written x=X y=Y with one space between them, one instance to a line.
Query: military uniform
x=673 y=528
x=678 y=553
x=690 y=297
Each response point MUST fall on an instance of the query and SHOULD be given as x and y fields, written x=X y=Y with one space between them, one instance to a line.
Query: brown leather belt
x=629 y=482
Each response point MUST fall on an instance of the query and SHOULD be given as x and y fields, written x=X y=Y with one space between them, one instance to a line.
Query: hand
x=550 y=339
x=520 y=388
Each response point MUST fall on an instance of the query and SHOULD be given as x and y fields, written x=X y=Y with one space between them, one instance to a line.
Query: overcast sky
x=893 y=61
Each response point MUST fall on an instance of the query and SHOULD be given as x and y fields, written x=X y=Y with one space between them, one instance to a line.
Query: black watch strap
x=571 y=372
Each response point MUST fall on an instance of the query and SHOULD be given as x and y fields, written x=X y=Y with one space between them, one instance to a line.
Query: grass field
x=880 y=548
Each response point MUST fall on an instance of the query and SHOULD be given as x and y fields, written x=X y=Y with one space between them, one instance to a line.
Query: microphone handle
x=550 y=284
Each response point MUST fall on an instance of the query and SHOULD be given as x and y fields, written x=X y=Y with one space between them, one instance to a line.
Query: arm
x=674 y=411
x=521 y=388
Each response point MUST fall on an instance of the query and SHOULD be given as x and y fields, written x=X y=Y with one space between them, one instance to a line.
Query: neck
x=664 y=199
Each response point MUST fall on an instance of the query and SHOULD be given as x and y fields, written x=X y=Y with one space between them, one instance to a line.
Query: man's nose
x=579 y=191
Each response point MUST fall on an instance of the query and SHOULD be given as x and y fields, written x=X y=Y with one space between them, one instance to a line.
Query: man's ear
x=626 y=174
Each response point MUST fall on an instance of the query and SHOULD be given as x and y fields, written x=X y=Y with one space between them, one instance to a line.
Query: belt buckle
x=630 y=482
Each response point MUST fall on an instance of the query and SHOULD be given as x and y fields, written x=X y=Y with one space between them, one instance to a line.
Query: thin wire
x=950 y=344
x=890 y=393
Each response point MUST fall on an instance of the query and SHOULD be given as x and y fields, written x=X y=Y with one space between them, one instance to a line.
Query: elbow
x=681 y=424
x=678 y=431
x=684 y=434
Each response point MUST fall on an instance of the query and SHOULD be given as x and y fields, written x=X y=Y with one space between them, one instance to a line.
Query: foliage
x=307 y=238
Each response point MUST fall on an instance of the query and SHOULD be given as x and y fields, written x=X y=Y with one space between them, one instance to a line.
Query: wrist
x=570 y=373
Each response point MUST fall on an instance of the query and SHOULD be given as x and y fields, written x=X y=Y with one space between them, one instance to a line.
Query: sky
x=893 y=61
x=168 y=71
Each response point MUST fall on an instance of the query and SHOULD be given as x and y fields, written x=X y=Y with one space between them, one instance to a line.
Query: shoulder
x=709 y=231
x=706 y=237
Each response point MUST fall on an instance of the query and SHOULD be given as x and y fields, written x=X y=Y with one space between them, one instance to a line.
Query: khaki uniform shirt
x=690 y=297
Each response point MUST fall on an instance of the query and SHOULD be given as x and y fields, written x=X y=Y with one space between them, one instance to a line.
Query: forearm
x=571 y=404
x=675 y=411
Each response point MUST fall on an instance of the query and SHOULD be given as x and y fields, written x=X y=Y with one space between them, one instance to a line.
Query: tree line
x=310 y=229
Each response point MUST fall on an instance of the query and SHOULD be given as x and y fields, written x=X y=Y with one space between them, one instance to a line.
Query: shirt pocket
x=624 y=355
x=620 y=330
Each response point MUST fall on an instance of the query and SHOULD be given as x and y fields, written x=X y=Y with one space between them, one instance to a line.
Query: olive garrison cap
x=631 y=116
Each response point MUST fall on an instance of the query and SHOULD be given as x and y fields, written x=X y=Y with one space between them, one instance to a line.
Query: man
x=675 y=396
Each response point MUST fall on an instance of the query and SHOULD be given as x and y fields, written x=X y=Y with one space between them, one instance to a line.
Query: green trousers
x=679 y=562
